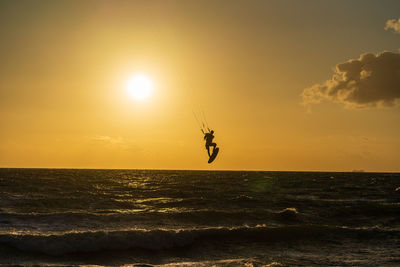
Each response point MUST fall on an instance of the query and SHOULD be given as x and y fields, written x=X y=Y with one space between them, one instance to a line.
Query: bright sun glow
x=140 y=87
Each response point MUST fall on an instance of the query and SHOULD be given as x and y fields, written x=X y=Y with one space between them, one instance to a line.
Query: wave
x=74 y=220
x=360 y=214
x=227 y=262
x=159 y=239
x=372 y=210
x=359 y=208
x=289 y=214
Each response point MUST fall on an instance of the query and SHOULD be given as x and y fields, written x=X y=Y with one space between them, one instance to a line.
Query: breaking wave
x=93 y=241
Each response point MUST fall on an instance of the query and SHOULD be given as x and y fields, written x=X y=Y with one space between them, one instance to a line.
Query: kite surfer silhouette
x=208 y=137
x=209 y=141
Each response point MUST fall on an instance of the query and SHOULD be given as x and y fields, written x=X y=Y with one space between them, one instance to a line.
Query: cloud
x=394 y=25
x=370 y=81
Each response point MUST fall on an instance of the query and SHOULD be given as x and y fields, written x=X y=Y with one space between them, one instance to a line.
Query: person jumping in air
x=209 y=141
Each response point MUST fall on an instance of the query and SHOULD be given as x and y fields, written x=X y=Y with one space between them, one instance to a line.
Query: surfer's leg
x=208 y=149
x=214 y=145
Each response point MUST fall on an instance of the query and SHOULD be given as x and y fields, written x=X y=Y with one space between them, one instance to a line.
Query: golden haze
x=63 y=101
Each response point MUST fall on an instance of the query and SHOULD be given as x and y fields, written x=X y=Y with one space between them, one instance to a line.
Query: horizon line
x=218 y=170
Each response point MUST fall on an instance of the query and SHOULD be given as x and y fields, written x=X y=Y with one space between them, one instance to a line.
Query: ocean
x=198 y=218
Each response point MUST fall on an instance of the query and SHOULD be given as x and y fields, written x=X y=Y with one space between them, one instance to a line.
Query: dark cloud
x=370 y=81
x=393 y=24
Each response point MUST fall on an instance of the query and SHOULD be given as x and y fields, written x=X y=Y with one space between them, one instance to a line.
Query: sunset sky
x=286 y=85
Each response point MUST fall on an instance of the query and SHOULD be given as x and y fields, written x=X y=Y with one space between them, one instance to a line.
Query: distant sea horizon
x=210 y=169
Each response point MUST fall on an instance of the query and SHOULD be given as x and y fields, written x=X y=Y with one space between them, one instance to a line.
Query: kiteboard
x=214 y=154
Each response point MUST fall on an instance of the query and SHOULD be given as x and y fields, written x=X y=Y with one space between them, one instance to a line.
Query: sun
x=140 y=87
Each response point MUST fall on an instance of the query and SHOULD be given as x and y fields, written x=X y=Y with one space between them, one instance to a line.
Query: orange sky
x=65 y=65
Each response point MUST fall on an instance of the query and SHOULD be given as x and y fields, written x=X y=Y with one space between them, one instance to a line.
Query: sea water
x=198 y=218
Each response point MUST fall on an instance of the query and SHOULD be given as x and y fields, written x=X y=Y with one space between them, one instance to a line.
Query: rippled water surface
x=118 y=217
